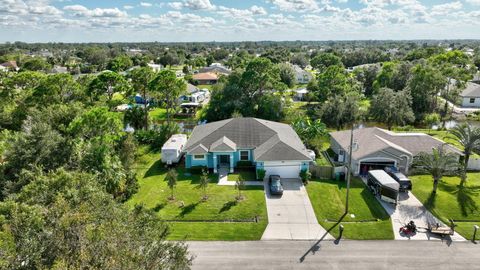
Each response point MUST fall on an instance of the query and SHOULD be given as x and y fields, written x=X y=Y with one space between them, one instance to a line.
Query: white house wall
x=466 y=102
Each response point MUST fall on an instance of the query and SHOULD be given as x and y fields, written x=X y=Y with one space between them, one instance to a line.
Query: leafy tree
x=203 y=184
x=270 y=107
x=107 y=83
x=424 y=85
x=340 y=111
x=432 y=119
x=135 y=117
x=57 y=88
x=392 y=75
x=469 y=137
x=456 y=67
x=171 y=178
x=97 y=123
x=287 y=74
x=169 y=59
x=367 y=76
x=167 y=88
x=36 y=64
x=332 y=82
x=64 y=220
x=120 y=63
x=299 y=59
x=324 y=60
x=437 y=164
x=140 y=79
x=220 y=54
x=392 y=108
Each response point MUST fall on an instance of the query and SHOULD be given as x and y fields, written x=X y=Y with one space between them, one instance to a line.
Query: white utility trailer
x=172 y=150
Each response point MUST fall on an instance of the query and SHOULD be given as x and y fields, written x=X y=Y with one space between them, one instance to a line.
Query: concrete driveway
x=410 y=208
x=291 y=216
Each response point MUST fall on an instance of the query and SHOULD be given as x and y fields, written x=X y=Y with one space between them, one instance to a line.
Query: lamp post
x=349 y=168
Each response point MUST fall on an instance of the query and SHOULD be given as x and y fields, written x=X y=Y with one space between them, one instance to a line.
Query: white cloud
x=128 y=7
x=295 y=5
x=239 y=13
x=176 y=5
x=473 y=2
x=81 y=11
x=145 y=4
x=446 y=8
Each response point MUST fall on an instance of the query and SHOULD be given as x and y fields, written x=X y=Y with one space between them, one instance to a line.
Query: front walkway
x=291 y=216
x=223 y=179
x=410 y=208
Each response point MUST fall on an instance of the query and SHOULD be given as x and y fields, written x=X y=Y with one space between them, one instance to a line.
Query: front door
x=224 y=160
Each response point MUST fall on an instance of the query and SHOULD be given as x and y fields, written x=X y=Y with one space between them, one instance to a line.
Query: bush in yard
x=260 y=174
x=203 y=184
x=306 y=175
x=158 y=136
x=198 y=169
x=171 y=178
x=244 y=164
x=240 y=185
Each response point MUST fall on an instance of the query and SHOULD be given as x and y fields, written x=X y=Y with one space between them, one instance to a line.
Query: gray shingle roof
x=223 y=144
x=472 y=90
x=372 y=140
x=199 y=149
x=270 y=140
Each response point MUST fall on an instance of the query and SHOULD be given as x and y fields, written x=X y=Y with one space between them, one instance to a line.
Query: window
x=198 y=156
x=472 y=100
x=244 y=155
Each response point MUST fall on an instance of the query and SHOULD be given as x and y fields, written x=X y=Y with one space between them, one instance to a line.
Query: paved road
x=410 y=208
x=291 y=216
x=345 y=255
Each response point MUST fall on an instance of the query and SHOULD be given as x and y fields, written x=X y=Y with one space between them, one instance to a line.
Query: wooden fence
x=322 y=172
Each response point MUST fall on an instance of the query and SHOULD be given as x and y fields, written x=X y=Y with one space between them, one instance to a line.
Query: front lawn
x=212 y=219
x=248 y=175
x=452 y=201
x=370 y=221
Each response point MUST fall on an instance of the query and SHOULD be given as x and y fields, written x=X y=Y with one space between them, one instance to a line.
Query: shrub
x=198 y=169
x=158 y=136
x=244 y=163
x=261 y=174
x=306 y=175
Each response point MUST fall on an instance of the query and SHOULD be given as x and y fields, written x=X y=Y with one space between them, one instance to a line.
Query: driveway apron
x=291 y=215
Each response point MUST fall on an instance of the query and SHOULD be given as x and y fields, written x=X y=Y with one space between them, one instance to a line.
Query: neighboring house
x=205 y=78
x=269 y=145
x=155 y=67
x=10 y=65
x=301 y=93
x=193 y=95
x=302 y=76
x=471 y=95
x=375 y=148
x=216 y=68
x=59 y=70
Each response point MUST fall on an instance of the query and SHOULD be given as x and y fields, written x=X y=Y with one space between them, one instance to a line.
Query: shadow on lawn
x=156 y=169
x=159 y=207
x=188 y=209
x=375 y=208
x=227 y=206
x=465 y=197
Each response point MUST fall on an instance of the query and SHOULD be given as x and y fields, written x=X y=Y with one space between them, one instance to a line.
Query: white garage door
x=287 y=169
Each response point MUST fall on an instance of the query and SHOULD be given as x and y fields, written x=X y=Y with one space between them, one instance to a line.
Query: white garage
x=286 y=169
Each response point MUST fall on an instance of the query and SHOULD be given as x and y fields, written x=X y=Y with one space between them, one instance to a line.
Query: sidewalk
x=223 y=180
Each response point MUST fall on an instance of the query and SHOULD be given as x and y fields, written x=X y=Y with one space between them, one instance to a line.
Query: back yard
x=452 y=201
x=369 y=220
x=190 y=217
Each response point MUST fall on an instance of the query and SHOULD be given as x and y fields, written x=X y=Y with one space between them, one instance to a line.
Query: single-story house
x=205 y=78
x=10 y=65
x=471 y=95
x=216 y=68
x=301 y=75
x=272 y=146
x=59 y=70
x=376 y=148
x=300 y=94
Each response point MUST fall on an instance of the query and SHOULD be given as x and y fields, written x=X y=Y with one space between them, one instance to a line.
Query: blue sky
x=236 y=20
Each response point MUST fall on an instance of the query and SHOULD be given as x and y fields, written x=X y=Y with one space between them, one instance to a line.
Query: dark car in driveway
x=405 y=183
x=275 y=185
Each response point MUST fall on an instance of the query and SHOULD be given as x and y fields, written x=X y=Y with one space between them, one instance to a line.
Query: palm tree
x=171 y=178
x=469 y=138
x=437 y=164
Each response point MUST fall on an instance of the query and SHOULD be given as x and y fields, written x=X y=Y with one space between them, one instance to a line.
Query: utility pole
x=349 y=167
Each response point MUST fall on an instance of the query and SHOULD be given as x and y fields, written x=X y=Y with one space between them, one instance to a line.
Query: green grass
x=158 y=114
x=220 y=206
x=208 y=86
x=248 y=175
x=451 y=200
x=322 y=161
x=328 y=200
